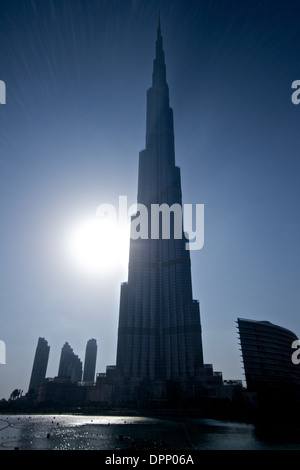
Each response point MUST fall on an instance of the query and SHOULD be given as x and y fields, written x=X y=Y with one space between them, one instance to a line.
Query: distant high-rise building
x=90 y=361
x=159 y=333
x=70 y=366
x=267 y=357
x=39 y=365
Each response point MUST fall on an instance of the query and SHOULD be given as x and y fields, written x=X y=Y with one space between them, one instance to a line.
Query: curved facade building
x=267 y=357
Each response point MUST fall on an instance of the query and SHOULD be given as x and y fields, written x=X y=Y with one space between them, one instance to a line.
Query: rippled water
x=72 y=432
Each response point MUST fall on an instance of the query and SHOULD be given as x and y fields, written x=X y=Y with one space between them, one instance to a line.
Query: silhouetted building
x=58 y=391
x=39 y=366
x=70 y=366
x=159 y=333
x=90 y=361
x=104 y=389
x=267 y=357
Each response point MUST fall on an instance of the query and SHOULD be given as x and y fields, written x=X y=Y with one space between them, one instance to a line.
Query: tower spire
x=159 y=66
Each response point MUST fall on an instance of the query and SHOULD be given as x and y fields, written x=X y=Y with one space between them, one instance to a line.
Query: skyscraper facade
x=70 y=366
x=159 y=333
x=39 y=366
x=90 y=361
x=267 y=357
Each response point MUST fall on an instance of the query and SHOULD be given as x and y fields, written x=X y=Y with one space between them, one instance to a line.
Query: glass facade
x=90 y=361
x=39 y=366
x=267 y=356
x=159 y=334
x=70 y=366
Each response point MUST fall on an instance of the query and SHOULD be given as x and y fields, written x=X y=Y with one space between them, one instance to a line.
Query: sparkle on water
x=78 y=432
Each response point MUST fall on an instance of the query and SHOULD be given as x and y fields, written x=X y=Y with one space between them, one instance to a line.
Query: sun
x=98 y=245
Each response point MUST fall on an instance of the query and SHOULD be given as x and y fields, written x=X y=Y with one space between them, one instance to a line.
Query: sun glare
x=99 y=246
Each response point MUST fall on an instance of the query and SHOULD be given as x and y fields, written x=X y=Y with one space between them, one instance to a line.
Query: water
x=77 y=432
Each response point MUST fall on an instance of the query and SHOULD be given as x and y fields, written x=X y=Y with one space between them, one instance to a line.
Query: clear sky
x=76 y=75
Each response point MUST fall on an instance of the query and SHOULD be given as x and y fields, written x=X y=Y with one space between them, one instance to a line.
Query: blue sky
x=76 y=75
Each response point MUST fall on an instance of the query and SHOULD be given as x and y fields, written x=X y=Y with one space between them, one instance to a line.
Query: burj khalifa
x=159 y=332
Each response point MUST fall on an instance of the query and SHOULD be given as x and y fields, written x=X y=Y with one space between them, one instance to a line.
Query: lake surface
x=77 y=432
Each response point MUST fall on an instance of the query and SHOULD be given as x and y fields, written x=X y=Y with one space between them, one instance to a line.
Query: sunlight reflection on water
x=77 y=432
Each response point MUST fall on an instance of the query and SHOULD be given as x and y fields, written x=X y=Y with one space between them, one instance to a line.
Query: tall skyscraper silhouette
x=40 y=364
x=159 y=333
x=70 y=366
x=90 y=361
